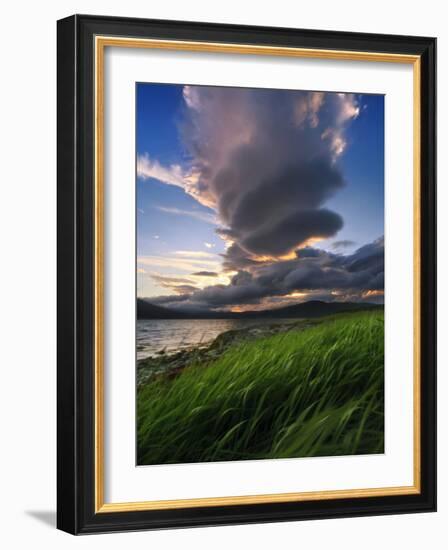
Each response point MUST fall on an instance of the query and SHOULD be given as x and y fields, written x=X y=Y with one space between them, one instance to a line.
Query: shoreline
x=170 y=365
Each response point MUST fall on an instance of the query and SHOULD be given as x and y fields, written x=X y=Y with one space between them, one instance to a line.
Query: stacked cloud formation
x=266 y=161
x=320 y=274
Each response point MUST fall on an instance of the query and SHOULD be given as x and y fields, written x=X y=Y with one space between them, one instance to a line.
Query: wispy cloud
x=171 y=280
x=194 y=254
x=205 y=274
x=174 y=263
x=179 y=285
x=197 y=215
x=174 y=174
x=209 y=245
x=147 y=168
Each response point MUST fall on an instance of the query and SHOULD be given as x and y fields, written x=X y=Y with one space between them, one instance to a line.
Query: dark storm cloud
x=205 y=274
x=339 y=245
x=268 y=166
x=282 y=212
x=236 y=258
x=278 y=238
x=314 y=271
x=369 y=256
x=310 y=252
x=241 y=278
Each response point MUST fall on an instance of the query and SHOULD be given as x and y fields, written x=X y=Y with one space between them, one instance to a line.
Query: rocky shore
x=171 y=365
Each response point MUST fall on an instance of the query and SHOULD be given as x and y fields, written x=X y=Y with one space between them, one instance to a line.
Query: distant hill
x=313 y=308
x=146 y=310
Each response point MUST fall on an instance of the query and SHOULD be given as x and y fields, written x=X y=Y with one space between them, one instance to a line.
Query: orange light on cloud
x=372 y=293
x=296 y=294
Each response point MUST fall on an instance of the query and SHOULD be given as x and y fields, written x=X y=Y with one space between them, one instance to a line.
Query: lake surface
x=171 y=335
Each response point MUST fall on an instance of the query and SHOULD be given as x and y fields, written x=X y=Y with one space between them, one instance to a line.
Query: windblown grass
x=314 y=392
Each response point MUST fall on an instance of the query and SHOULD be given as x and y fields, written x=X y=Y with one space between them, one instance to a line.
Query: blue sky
x=361 y=203
x=190 y=139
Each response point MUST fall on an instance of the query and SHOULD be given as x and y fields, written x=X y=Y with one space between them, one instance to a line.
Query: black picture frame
x=76 y=512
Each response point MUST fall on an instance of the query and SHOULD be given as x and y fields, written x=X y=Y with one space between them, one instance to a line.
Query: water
x=171 y=335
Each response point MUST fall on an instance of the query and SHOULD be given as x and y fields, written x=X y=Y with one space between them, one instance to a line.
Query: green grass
x=312 y=392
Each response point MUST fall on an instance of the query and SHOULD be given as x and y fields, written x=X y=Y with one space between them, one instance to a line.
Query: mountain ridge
x=312 y=308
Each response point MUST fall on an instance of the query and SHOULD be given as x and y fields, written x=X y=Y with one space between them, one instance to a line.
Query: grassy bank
x=311 y=392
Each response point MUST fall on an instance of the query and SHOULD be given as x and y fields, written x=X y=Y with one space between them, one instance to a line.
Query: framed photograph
x=246 y=274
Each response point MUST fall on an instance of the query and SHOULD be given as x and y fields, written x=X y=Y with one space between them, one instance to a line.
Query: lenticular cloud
x=265 y=161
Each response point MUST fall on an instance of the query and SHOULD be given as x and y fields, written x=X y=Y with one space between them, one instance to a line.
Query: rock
x=169 y=366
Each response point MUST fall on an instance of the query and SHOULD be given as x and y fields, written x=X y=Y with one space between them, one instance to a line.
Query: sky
x=253 y=199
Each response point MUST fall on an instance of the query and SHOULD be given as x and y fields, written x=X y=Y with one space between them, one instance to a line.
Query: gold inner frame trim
x=101 y=42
